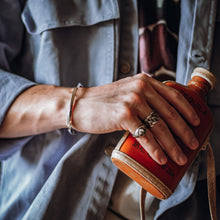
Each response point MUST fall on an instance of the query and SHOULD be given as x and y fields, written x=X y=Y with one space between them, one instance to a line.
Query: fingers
x=153 y=148
x=175 y=122
x=169 y=114
x=160 y=97
x=158 y=139
x=148 y=142
x=164 y=138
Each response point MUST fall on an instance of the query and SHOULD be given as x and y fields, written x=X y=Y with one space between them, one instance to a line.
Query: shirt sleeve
x=11 y=84
x=11 y=38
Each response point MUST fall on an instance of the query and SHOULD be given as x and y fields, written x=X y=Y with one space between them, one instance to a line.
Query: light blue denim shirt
x=56 y=175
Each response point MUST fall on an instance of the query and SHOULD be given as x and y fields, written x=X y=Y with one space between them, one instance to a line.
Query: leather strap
x=211 y=182
x=211 y=185
x=142 y=203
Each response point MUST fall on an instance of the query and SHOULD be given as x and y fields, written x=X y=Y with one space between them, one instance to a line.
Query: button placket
x=128 y=51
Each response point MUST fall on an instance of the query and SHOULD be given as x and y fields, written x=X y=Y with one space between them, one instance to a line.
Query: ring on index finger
x=140 y=131
x=151 y=119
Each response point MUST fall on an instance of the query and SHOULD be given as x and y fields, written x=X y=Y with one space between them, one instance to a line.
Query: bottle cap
x=205 y=74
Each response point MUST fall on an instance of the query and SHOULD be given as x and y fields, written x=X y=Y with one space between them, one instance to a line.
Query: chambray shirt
x=62 y=42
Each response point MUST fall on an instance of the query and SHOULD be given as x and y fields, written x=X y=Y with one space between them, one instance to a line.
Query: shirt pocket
x=39 y=16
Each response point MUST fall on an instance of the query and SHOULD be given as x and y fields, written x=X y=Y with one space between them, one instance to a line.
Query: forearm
x=39 y=109
x=121 y=105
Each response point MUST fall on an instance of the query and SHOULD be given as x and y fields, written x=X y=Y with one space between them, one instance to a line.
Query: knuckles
x=133 y=99
x=139 y=85
x=129 y=106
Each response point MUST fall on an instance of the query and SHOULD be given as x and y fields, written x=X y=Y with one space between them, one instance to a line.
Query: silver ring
x=151 y=119
x=141 y=131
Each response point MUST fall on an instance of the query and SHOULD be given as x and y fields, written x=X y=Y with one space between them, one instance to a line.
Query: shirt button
x=125 y=68
x=108 y=150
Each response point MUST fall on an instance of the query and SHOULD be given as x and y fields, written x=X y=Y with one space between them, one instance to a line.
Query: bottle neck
x=200 y=85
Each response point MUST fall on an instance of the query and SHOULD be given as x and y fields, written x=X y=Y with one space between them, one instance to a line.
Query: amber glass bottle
x=161 y=180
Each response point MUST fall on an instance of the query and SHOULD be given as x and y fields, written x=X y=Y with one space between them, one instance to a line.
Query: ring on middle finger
x=151 y=119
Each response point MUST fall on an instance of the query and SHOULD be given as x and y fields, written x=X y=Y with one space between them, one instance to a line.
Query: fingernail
x=182 y=159
x=163 y=160
x=194 y=143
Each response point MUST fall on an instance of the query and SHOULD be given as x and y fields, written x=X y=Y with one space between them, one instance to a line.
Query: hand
x=121 y=105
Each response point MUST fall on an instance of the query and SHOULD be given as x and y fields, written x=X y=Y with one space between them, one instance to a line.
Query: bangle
x=69 y=123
